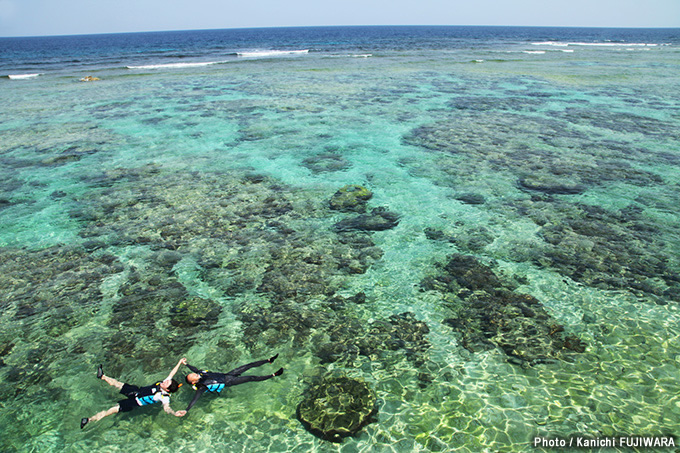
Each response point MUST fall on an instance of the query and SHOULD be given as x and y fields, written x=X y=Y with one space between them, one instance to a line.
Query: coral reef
x=302 y=267
x=488 y=314
x=551 y=184
x=467 y=238
x=595 y=245
x=604 y=248
x=496 y=141
x=53 y=279
x=378 y=219
x=624 y=122
x=245 y=235
x=326 y=162
x=145 y=300
x=333 y=332
x=337 y=406
x=350 y=198
x=349 y=338
x=471 y=198
x=57 y=288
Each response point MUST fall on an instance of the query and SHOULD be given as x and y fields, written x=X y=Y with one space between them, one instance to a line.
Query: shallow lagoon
x=161 y=213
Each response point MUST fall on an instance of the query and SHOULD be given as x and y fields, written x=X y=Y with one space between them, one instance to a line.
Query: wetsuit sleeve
x=193 y=369
x=198 y=394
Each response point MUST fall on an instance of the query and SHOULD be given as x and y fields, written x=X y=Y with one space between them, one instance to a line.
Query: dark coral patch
x=351 y=197
x=488 y=313
x=378 y=219
x=326 y=162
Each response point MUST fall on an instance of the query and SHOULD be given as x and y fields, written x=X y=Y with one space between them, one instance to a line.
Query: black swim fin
x=100 y=372
x=271 y=360
x=83 y=422
x=279 y=373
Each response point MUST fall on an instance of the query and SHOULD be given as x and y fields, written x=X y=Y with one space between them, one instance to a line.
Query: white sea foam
x=176 y=65
x=271 y=53
x=362 y=55
x=534 y=52
x=551 y=43
x=593 y=44
x=22 y=76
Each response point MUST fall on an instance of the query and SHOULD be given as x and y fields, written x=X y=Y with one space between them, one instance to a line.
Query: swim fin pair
x=100 y=373
x=278 y=373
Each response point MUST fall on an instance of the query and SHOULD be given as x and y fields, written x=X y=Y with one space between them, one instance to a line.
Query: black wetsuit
x=142 y=396
x=215 y=382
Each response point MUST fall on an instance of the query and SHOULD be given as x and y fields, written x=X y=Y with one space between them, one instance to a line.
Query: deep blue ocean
x=454 y=238
x=58 y=54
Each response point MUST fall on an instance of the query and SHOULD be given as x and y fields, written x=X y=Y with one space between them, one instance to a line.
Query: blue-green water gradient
x=179 y=206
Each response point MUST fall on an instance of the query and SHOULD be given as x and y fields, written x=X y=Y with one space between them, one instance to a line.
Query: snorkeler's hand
x=180 y=413
x=183 y=360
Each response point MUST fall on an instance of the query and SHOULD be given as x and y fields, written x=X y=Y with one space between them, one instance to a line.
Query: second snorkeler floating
x=207 y=381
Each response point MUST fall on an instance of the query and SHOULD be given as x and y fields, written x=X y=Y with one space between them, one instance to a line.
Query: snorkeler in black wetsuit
x=206 y=381
x=139 y=396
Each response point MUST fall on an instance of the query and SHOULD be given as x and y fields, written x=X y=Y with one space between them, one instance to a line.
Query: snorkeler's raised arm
x=182 y=361
x=198 y=394
x=193 y=368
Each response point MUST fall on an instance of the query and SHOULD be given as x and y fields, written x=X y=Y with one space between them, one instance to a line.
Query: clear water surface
x=179 y=206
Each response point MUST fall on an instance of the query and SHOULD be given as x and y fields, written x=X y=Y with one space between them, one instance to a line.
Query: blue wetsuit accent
x=145 y=400
x=215 y=388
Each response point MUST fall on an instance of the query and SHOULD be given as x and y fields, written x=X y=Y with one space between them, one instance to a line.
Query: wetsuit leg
x=241 y=369
x=236 y=380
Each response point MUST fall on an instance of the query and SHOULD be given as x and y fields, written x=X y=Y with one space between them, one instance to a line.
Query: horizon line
x=338 y=26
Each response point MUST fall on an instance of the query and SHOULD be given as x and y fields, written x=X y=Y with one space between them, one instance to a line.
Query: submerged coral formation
x=350 y=198
x=59 y=287
x=603 y=248
x=377 y=220
x=337 y=406
x=488 y=313
x=334 y=333
x=243 y=235
x=496 y=141
x=349 y=338
x=326 y=162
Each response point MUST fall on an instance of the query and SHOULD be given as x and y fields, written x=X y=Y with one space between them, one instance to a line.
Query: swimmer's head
x=192 y=378
x=170 y=385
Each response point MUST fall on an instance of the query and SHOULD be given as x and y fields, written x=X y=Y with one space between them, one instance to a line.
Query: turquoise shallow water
x=530 y=287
